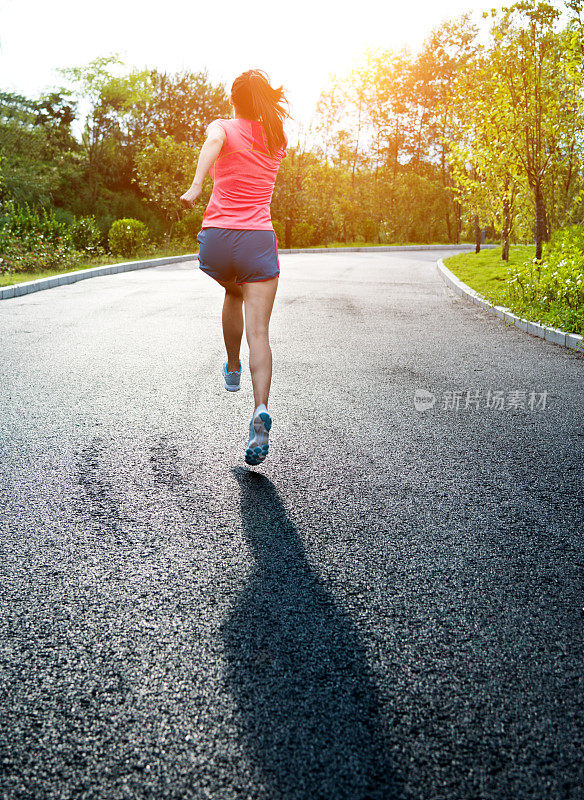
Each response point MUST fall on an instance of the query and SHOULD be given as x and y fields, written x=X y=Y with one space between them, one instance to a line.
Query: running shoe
x=259 y=431
x=231 y=378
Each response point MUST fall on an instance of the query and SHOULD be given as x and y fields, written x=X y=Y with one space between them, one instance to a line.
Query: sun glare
x=299 y=46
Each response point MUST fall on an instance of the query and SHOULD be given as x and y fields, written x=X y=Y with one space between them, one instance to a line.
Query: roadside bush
x=35 y=254
x=86 y=235
x=554 y=287
x=558 y=279
x=187 y=228
x=23 y=222
x=565 y=239
x=127 y=237
x=33 y=240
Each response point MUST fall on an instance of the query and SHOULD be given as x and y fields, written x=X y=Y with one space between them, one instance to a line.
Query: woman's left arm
x=207 y=157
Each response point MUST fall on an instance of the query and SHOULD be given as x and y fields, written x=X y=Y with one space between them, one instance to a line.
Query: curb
x=26 y=287
x=571 y=340
x=18 y=289
x=396 y=248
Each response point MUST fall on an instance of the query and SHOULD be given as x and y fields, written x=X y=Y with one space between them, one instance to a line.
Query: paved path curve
x=389 y=608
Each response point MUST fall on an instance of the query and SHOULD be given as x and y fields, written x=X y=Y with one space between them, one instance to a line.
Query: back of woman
x=237 y=243
x=243 y=175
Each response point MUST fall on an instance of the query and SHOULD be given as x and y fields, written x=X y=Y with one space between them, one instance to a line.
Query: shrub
x=23 y=222
x=187 y=228
x=86 y=235
x=552 y=290
x=279 y=231
x=566 y=239
x=35 y=254
x=127 y=237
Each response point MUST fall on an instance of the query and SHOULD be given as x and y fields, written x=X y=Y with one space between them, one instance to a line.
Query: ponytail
x=254 y=98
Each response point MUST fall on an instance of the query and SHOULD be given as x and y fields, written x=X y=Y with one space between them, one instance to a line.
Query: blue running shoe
x=231 y=378
x=259 y=431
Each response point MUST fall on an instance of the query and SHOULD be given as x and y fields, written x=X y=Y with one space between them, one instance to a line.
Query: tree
x=111 y=100
x=164 y=168
x=180 y=105
x=537 y=96
x=39 y=150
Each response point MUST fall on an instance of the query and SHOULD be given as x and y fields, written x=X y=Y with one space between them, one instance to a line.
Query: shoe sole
x=257 y=454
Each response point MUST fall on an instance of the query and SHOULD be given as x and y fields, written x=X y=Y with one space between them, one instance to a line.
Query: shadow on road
x=308 y=706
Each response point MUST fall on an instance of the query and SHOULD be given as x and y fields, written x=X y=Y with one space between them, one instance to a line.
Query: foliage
x=279 y=231
x=180 y=105
x=127 y=237
x=303 y=235
x=86 y=235
x=187 y=228
x=24 y=222
x=35 y=253
x=522 y=122
x=164 y=168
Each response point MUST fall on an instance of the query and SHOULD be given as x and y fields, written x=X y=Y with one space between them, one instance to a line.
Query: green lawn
x=485 y=272
x=20 y=277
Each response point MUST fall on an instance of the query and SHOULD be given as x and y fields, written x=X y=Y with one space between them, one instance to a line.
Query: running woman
x=237 y=243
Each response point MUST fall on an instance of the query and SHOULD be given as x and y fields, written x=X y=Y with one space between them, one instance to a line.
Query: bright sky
x=299 y=44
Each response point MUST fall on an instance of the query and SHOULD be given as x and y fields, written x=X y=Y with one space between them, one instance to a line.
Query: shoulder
x=217 y=129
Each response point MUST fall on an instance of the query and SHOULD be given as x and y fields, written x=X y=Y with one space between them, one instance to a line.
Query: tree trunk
x=506 y=221
x=540 y=220
x=477 y=234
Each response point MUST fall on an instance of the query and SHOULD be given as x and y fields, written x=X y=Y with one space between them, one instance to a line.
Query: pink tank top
x=243 y=175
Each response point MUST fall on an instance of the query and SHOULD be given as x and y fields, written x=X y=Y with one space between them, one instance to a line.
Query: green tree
x=39 y=150
x=111 y=100
x=180 y=105
x=538 y=95
x=164 y=168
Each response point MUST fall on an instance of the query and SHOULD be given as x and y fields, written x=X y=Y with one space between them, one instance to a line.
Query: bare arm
x=207 y=157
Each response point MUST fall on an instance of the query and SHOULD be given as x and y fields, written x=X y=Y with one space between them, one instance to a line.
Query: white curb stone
x=535 y=329
x=556 y=336
x=575 y=341
x=19 y=289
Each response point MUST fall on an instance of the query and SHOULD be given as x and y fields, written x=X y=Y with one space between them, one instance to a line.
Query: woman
x=238 y=245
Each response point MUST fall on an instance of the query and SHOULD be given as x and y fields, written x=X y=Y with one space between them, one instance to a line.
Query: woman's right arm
x=207 y=157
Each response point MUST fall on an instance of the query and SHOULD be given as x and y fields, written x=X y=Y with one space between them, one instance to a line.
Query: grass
x=161 y=252
x=486 y=273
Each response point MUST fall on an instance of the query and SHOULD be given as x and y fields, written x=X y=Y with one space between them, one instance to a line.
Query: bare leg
x=232 y=319
x=258 y=298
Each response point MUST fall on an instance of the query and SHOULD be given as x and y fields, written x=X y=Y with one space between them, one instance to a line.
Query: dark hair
x=254 y=98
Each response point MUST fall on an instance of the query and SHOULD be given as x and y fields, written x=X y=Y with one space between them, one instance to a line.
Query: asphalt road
x=389 y=607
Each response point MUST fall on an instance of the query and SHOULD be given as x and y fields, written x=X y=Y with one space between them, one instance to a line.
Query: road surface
x=389 y=607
